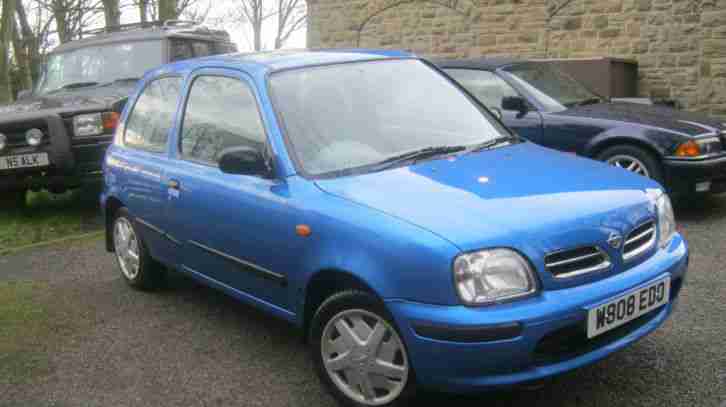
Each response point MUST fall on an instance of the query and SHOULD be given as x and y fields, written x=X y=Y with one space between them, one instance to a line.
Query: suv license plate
x=24 y=161
x=627 y=307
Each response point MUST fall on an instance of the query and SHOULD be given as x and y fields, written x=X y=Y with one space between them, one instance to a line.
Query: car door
x=143 y=158
x=234 y=229
x=491 y=90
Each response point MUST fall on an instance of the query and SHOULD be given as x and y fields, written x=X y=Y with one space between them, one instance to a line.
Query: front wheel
x=358 y=352
x=137 y=267
x=633 y=159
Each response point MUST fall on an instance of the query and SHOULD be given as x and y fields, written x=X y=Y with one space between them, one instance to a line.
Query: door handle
x=174 y=184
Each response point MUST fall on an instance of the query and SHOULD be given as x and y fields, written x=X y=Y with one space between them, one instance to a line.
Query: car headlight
x=3 y=142
x=492 y=275
x=34 y=137
x=95 y=124
x=699 y=147
x=666 y=217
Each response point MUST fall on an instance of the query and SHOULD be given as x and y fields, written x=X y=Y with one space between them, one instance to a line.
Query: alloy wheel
x=629 y=163
x=126 y=245
x=364 y=357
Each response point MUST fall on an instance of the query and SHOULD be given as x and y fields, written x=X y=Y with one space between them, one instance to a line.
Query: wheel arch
x=600 y=144
x=112 y=206
x=324 y=283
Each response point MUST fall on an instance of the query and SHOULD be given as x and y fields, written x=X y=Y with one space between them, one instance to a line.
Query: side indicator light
x=303 y=230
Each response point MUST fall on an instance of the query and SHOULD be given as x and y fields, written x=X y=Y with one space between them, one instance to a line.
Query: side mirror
x=515 y=103
x=24 y=94
x=243 y=161
x=497 y=112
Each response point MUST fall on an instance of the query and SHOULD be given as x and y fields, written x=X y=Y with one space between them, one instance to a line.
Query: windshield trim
x=364 y=169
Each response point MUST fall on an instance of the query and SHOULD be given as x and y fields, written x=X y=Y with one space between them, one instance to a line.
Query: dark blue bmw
x=681 y=150
x=363 y=197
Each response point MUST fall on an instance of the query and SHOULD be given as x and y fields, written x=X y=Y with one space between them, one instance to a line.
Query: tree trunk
x=112 y=12
x=31 y=44
x=257 y=33
x=143 y=13
x=6 y=38
x=167 y=10
x=22 y=59
x=60 y=13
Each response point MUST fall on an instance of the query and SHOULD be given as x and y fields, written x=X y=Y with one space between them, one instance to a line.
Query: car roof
x=271 y=61
x=144 y=31
x=484 y=63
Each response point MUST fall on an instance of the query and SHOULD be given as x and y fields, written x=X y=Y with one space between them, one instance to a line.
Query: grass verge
x=47 y=217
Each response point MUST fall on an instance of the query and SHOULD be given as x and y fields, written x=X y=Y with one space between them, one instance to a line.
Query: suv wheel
x=358 y=352
x=633 y=159
x=137 y=267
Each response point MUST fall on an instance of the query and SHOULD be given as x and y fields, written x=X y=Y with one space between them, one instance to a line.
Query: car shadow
x=595 y=382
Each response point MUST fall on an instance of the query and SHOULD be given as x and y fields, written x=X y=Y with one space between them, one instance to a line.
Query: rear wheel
x=137 y=267
x=358 y=352
x=634 y=159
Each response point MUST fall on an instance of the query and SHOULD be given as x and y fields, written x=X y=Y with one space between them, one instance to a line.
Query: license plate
x=627 y=307
x=24 y=161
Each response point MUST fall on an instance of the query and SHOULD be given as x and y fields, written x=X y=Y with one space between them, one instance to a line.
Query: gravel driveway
x=191 y=346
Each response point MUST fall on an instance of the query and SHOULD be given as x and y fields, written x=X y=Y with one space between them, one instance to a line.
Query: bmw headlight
x=666 y=217
x=492 y=275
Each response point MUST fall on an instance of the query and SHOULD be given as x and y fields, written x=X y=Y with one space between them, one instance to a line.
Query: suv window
x=221 y=113
x=152 y=118
x=186 y=49
x=484 y=85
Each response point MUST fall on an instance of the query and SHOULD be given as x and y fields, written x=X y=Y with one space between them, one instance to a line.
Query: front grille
x=574 y=262
x=639 y=240
x=571 y=341
x=16 y=135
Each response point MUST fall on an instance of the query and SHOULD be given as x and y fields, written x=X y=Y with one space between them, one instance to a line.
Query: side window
x=152 y=117
x=202 y=49
x=221 y=113
x=180 y=49
x=485 y=86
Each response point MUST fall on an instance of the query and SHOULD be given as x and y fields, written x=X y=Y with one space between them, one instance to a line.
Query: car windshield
x=356 y=116
x=99 y=65
x=554 y=89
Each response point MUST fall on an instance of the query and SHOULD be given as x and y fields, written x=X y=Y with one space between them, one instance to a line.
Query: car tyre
x=137 y=266
x=361 y=383
x=643 y=161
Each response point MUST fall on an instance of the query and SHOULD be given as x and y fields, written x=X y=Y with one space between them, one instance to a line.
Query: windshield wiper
x=491 y=143
x=590 y=101
x=417 y=155
x=74 y=85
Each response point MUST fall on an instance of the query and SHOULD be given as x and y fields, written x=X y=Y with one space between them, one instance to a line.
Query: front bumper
x=529 y=339
x=682 y=175
x=72 y=161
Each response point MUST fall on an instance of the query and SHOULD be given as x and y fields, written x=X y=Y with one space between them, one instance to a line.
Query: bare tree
x=6 y=37
x=290 y=16
x=112 y=12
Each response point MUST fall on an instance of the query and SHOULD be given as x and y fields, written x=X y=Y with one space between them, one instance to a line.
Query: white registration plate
x=627 y=307
x=24 y=161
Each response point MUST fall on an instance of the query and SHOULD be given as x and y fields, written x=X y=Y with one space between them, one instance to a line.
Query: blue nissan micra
x=368 y=199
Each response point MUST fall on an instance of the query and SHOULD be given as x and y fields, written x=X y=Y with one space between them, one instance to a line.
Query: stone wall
x=680 y=45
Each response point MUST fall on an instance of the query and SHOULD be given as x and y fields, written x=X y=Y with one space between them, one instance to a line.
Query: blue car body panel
x=397 y=231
